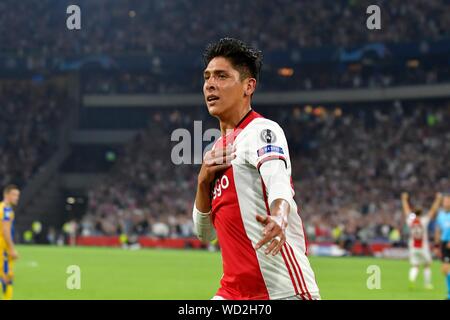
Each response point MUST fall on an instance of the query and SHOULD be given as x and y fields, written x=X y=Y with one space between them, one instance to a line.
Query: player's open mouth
x=212 y=98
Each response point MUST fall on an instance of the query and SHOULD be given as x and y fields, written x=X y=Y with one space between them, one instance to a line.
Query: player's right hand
x=214 y=161
x=14 y=254
x=405 y=195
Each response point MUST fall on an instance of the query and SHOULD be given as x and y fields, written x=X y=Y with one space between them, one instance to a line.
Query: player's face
x=222 y=88
x=446 y=203
x=12 y=197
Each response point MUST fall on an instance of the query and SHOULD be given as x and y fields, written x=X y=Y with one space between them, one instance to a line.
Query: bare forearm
x=406 y=207
x=279 y=207
x=203 y=197
x=435 y=207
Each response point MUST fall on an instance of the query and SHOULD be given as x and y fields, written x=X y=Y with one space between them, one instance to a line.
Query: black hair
x=245 y=59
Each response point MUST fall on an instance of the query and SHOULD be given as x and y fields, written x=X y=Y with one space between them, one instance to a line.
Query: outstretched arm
x=405 y=204
x=435 y=207
x=277 y=181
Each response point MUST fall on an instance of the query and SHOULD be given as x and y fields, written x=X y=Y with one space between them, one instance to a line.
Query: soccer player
x=244 y=189
x=443 y=237
x=419 y=248
x=11 y=195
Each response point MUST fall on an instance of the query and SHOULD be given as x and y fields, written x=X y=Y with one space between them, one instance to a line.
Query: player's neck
x=6 y=203
x=231 y=121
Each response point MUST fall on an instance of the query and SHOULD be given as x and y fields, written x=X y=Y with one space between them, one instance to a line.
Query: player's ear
x=249 y=86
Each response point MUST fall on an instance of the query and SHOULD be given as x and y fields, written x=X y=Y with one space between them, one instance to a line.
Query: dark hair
x=10 y=187
x=418 y=211
x=245 y=59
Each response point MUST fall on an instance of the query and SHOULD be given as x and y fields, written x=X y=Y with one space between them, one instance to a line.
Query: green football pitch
x=113 y=273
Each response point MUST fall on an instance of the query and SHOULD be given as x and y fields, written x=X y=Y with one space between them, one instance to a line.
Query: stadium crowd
x=146 y=194
x=301 y=79
x=372 y=152
x=148 y=26
x=159 y=29
x=30 y=112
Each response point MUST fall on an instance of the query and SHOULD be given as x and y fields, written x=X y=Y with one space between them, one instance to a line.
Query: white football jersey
x=238 y=195
x=418 y=232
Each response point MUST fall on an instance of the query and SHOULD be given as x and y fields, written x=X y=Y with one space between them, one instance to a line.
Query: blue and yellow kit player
x=11 y=196
x=443 y=238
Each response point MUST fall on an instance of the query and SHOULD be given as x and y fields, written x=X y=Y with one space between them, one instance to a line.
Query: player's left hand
x=274 y=232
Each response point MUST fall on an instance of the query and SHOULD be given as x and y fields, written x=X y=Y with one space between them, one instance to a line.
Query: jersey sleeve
x=268 y=153
x=277 y=181
x=6 y=214
x=265 y=142
x=203 y=226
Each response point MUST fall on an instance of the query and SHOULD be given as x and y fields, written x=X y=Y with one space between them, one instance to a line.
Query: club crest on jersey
x=268 y=136
x=268 y=149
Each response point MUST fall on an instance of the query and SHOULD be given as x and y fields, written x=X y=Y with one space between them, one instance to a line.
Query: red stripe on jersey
x=282 y=253
x=266 y=201
x=273 y=157
x=295 y=270
x=290 y=273
x=300 y=269
x=242 y=276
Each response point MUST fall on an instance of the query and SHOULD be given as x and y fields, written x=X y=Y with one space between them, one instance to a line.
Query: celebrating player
x=443 y=237
x=10 y=199
x=419 y=248
x=244 y=190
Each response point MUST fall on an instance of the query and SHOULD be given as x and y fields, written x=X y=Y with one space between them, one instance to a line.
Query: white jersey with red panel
x=418 y=232
x=239 y=194
x=419 y=248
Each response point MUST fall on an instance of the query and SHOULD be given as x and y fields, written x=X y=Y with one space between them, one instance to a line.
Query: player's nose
x=209 y=89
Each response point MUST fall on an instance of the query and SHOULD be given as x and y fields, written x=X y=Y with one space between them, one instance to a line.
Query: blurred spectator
x=349 y=168
x=29 y=130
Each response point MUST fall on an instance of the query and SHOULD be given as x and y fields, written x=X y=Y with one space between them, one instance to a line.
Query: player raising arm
x=431 y=213
x=419 y=248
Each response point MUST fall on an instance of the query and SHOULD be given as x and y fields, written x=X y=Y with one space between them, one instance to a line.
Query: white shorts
x=296 y=297
x=419 y=256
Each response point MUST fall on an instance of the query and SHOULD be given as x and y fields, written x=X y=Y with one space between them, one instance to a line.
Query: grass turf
x=112 y=273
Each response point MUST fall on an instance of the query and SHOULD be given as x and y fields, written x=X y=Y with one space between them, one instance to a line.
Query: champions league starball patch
x=268 y=136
